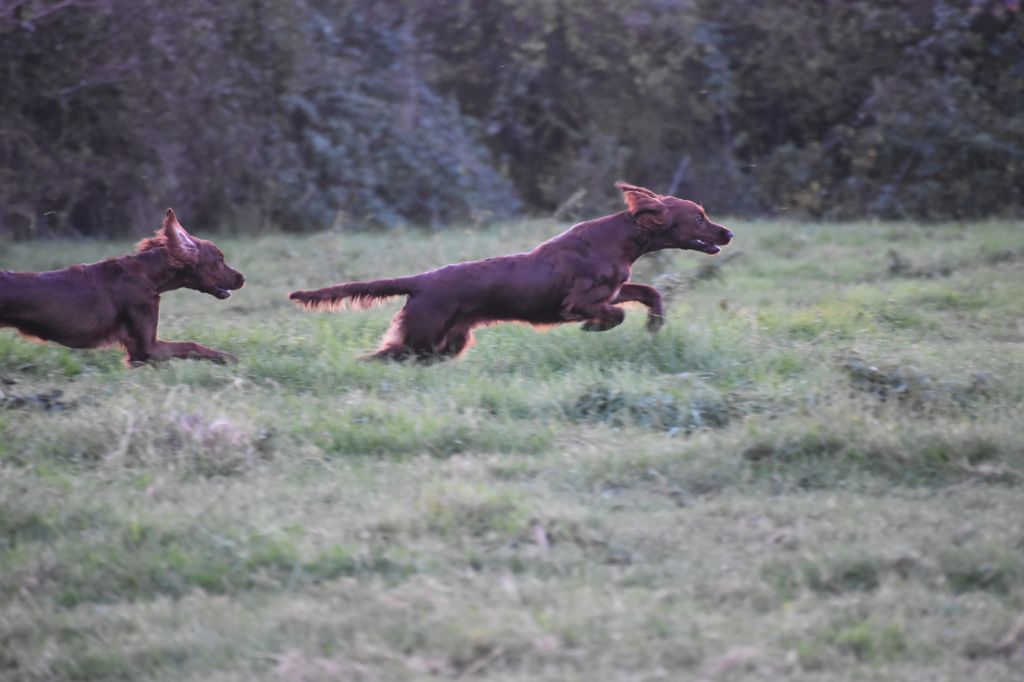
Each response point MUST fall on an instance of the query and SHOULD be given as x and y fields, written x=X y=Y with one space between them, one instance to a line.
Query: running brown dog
x=117 y=301
x=578 y=276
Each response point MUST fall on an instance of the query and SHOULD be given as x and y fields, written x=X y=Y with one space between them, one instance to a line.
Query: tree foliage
x=318 y=112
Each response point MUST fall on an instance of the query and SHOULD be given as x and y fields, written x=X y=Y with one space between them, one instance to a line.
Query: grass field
x=815 y=471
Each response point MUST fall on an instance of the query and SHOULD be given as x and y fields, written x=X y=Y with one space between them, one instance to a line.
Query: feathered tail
x=355 y=294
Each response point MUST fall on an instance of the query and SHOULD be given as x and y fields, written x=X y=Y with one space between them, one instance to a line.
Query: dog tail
x=358 y=295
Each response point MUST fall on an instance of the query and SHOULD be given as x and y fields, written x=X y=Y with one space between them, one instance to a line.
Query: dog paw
x=655 y=322
x=224 y=358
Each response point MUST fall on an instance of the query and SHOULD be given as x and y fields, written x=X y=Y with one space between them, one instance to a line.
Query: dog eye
x=700 y=219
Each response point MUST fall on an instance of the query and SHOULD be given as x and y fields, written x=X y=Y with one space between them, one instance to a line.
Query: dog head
x=199 y=264
x=671 y=223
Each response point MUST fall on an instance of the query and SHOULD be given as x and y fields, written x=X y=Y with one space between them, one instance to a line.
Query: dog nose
x=726 y=234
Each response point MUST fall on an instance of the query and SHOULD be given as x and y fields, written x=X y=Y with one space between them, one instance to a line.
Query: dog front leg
x=649 y=296
x=603 y=318
x=164 y=350
x=590 y=304
x=143 y=346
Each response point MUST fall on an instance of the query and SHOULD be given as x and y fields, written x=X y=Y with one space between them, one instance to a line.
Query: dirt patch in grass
x=913 y=388
x=665 y=411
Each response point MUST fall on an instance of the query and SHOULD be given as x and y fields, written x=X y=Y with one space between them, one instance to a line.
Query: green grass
x=815 y=471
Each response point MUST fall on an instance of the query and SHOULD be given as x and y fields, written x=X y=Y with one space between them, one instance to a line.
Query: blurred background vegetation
x=308 y=114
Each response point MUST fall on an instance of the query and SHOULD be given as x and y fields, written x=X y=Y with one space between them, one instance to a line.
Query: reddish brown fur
x=118 y=300
x=578 y=276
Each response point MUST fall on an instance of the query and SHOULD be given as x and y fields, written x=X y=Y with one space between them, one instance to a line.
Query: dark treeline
x=313 y=113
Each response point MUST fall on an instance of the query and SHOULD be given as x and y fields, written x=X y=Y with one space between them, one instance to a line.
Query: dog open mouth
x=701 y=245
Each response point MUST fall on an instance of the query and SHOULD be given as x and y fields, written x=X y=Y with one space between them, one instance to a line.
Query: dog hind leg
x=419 y=329
x=457 y=340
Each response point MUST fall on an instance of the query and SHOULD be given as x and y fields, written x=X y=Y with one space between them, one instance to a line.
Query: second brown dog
x=117 y=301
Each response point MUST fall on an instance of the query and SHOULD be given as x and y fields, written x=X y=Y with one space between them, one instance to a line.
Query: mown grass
x=814 y=471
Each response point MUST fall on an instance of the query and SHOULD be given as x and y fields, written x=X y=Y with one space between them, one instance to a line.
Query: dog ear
x=644 y=206
x=179 y=242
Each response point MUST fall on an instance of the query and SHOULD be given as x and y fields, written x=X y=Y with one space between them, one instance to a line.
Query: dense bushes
x=303 y=116
x=326 y=112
